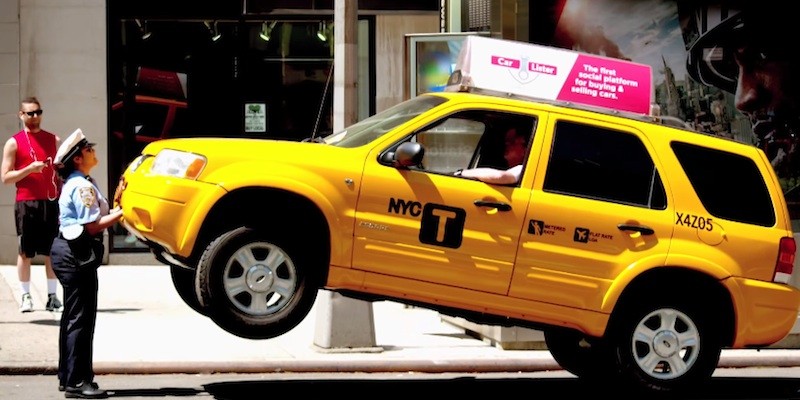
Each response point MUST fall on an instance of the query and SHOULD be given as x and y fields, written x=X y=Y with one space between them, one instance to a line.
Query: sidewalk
x=144 y=327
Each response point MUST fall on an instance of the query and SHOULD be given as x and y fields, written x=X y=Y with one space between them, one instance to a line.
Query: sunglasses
x=32 y=113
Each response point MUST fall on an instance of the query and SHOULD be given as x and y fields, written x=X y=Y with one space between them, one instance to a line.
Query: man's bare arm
x=11 y=175
x=494 y=176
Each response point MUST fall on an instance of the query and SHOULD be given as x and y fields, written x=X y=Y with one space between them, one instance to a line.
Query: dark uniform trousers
x=76 y=336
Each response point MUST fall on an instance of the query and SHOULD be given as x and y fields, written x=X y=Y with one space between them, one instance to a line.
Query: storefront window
x=268 y=79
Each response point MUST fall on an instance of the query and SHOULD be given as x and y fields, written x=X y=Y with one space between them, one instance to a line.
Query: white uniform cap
x=71 y=146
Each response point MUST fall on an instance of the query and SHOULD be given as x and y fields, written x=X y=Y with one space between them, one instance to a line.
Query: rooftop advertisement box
x=553 y=74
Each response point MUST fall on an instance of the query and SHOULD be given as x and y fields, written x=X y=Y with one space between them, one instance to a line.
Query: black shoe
x=61 y=387
x=85 y=390
x=53 y=303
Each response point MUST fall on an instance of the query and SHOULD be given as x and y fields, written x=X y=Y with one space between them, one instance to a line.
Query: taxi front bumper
x=165 y=213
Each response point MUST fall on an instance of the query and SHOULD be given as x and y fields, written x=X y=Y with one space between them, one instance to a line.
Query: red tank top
x=40 y=146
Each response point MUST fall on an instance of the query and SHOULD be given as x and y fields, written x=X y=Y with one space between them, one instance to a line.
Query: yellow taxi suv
x=640 y=249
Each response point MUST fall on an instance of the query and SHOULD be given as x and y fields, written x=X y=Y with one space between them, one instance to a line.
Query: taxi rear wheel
x=668 y=346
x=255 y=285
x=590 y=359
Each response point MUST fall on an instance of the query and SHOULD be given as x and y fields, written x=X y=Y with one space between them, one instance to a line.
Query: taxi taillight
x=785 y=263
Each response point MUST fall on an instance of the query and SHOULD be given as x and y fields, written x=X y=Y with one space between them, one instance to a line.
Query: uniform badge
x=87 y=196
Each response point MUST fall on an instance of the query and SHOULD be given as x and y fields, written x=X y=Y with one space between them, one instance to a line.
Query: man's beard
x=779 y=140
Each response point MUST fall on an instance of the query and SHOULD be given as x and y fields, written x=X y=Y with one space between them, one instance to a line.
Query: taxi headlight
x=178 y=164
x=134 y=165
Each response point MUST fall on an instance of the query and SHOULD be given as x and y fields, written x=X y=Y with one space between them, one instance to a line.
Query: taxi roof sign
x=550 y=73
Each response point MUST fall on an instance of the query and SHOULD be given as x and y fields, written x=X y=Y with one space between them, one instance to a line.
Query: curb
x=781 y=358
x=298 y=366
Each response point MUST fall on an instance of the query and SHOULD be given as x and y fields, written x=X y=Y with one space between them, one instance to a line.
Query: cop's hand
x=118 y=193
x=116 y=213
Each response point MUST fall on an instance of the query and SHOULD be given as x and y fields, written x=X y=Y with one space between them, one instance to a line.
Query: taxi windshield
x=377 y=125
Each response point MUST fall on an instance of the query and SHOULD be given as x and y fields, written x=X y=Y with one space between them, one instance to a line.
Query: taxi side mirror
x=408 y=154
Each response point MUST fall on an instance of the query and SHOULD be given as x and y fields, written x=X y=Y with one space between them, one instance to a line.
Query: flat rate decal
x=556 y=74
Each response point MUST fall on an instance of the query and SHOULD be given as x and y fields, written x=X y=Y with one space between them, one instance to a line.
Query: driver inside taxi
x=514 y=154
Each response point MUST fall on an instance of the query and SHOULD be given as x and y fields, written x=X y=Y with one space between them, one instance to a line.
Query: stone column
x=344 y=324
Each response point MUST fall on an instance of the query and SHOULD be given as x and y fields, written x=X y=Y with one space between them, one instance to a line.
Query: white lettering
x=505 y=62
x=590 y=76
x=584 y=90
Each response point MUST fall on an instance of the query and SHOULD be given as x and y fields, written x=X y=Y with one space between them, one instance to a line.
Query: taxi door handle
x=644 y=230
x=493 y=204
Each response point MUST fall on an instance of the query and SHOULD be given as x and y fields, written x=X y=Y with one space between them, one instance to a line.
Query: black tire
x=184 y=281
x=667 y=348
x=587 y=358
x=256 y=286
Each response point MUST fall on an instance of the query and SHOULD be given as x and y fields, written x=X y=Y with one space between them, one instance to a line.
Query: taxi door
x=426 y=224
x=599 y=209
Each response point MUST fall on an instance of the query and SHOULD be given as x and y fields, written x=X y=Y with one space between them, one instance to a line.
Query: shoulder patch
x=87 y=196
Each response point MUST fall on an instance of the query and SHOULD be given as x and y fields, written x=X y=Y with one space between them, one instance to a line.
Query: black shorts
x=37 y=226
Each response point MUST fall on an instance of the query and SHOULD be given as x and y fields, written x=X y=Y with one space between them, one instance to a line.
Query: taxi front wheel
x=184 y=281
x=256 y=285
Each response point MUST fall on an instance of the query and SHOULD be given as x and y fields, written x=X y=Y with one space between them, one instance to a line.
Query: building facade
x=126 y=72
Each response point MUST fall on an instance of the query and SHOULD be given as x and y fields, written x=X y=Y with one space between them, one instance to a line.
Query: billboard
x=720 y=66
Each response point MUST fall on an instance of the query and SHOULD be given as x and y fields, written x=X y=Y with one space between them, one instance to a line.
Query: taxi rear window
x=729 y=185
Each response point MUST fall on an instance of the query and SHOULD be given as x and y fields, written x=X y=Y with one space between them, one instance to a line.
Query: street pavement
x=143 y=327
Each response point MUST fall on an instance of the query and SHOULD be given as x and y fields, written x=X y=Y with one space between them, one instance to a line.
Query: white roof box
x=552 y=74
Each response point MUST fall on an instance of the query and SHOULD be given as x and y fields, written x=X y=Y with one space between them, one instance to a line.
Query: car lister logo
x=523 y=68
x=584 y=235
x=539 y=228
x=440 y=225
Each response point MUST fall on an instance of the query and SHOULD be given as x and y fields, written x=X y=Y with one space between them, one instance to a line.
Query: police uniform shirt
x=81 y=202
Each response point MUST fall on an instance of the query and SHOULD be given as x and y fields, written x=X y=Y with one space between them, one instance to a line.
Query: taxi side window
x=603 y=164
x=469 y=139
x=450 y=143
